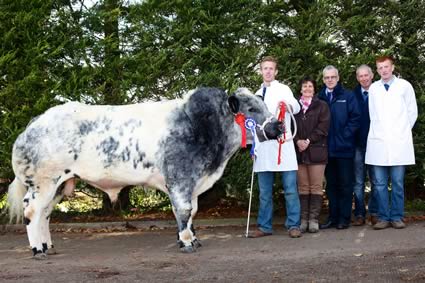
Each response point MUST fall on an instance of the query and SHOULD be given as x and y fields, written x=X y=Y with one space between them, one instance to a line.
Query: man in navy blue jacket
x=339 y=172
x=364 y=76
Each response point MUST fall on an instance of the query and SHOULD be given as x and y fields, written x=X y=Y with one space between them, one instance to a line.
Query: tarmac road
x=358 y=254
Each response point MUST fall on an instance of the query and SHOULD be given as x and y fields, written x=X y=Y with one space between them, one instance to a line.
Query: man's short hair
x=269 y=59
x=364 y=66
x=330 y=68
x=383 y=58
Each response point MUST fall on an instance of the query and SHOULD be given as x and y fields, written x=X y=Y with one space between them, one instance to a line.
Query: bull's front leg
x=195 y=240
x=182 y=207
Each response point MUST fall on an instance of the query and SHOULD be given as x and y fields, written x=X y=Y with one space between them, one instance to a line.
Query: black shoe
x=341 y=226
x=327 y=225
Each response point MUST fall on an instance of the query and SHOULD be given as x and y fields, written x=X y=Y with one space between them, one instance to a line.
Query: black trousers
x=339 y=175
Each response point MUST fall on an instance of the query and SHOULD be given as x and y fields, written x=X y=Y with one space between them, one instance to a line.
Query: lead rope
x=281 y=118
x=280 y=111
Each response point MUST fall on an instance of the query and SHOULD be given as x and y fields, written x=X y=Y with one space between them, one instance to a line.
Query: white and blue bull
x=178 y=146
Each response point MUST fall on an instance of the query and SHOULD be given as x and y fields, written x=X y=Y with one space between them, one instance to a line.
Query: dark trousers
x=339 y=175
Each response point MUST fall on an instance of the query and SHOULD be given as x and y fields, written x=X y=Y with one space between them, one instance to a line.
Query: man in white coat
x=393 y=112
x=266 y=163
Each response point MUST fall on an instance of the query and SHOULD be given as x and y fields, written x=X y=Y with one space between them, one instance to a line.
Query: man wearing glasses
x=339 y=172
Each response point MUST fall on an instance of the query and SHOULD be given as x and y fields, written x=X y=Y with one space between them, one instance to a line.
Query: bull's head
x=268 y=127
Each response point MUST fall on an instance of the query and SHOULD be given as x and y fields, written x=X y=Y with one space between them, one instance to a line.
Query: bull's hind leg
x=56 y=195
x=182 y=210
x=33 y=212
x=36 y=203
x=48 y=246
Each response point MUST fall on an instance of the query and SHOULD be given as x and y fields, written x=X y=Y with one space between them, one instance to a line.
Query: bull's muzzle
x=271 y=128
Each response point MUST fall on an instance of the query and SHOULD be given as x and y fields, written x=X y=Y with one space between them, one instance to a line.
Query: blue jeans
x=360 y=169
x=339 y=189
x=395 y=211
x=292 y=200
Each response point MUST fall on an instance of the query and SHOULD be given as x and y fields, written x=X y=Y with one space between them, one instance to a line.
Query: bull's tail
x=15 y=197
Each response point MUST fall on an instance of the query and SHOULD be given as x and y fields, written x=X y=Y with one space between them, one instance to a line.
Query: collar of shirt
x=271 y=83
x=328 y=91
x=389 y=82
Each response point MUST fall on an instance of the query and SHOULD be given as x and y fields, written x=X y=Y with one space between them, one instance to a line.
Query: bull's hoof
x=180 y=244
x=188 y=249
x=196 y=243
x=40 y=256
x=51 y=251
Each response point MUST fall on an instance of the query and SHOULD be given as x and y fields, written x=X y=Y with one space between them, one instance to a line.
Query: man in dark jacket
x=364 y=76
x=339 y=173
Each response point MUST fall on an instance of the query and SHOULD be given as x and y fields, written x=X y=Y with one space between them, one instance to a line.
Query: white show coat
x=267 y=152
x=392 y=116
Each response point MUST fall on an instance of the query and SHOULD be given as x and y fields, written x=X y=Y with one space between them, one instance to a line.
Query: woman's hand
x=303 y=144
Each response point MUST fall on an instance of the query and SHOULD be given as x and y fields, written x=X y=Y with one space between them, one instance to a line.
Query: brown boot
x=315 y=208
x=359 y=221
x=373 y=219
x=305 y=204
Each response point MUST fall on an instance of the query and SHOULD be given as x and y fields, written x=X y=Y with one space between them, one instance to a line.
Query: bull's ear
x=233 y=103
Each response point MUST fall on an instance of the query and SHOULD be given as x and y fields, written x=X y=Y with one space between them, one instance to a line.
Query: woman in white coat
x=393 y=112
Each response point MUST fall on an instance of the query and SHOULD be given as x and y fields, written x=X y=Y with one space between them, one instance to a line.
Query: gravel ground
x=358 y=254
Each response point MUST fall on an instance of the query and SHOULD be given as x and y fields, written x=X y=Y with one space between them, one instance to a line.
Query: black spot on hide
x=108 y=147
x=27 y=144
x=132 y=124
x=125 y=155
x=140 y=156
x=147 y=165
x=30 y=183
x=87 y=127
x=26 y=169
x=45 y=247
x=67 y=171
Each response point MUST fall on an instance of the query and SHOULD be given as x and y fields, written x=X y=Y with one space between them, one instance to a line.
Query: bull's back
x=103 y=144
